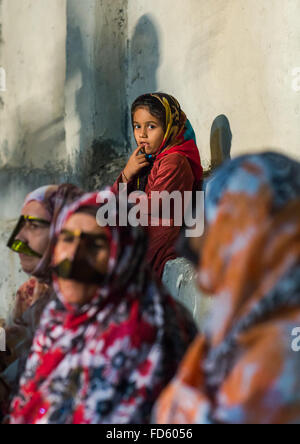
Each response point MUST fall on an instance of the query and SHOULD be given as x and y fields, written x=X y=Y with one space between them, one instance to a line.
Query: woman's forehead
x=85 y=223
x=143 y=114
x=36 y=209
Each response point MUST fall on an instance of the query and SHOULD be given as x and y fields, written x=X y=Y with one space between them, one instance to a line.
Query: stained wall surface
x=32 y=133
x=235 y=58
x=73 y=68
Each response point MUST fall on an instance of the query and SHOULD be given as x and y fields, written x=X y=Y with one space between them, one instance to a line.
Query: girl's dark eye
x=67 y=238
x=98 y=245
x=34 y=225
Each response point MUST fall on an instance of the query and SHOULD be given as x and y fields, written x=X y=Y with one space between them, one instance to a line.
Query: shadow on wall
x=144 y=57
x=79 y=101
x=220 y=141
x=144 y=60
x=105 y=73
x=96 y=102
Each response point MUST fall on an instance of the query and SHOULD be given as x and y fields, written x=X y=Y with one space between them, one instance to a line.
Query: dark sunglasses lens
x=78 y=271
x=16 y=231
x=18 y=246
x=63 y=270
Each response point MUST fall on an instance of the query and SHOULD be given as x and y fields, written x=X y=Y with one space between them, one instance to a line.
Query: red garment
x=177 y=169
x=189 y=150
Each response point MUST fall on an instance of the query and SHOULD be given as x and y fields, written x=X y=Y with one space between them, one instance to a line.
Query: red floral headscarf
x=105 y=362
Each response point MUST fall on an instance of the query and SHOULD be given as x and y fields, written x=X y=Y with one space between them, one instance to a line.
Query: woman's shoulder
x=174 y=161
x=171 y=172
x=174 y=158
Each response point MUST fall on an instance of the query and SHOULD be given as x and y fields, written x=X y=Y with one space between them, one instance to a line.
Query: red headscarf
x=179 y=137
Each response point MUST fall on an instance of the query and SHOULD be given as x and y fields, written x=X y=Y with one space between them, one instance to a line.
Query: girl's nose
x=72 y=250
x=144 y=133
x=22 y=235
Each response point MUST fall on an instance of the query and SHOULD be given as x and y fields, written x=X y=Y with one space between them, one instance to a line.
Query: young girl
x=166 y=159
x=112 y=340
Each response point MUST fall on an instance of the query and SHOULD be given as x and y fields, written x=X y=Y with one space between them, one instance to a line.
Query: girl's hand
x=135 y=164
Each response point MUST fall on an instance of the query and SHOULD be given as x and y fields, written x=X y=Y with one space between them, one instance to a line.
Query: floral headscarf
x=243 y=370
x=105 y=362
x=44 y=195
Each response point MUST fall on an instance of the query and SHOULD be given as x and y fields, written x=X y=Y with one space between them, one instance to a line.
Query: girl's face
x=66 y=247
x=148 y=130
x=34 y=234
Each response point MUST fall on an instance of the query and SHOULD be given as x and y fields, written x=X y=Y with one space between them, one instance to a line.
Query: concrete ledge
x=179 y=279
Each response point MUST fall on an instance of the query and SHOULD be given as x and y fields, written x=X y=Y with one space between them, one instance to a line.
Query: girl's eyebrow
x=36 y=219
x=65 y=231
x=98 y=236
x=92 y=235
x=149 y=121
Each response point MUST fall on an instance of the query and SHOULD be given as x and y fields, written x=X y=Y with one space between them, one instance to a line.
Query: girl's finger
x=136 y=151
x=142 y=165
x=142 y=161
x=141 y=157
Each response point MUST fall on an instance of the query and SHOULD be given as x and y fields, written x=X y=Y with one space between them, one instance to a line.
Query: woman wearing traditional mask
x=245 y=369
x=112 y=340
x=30 y=240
